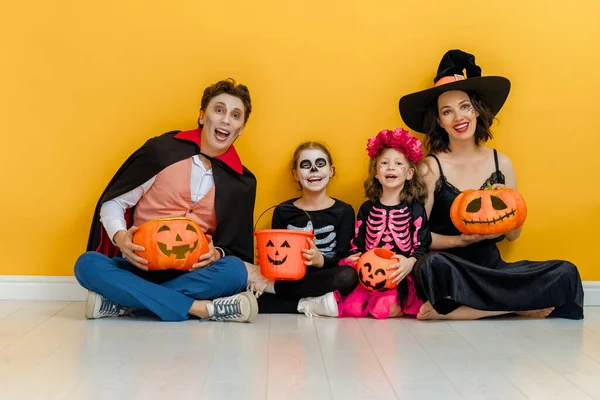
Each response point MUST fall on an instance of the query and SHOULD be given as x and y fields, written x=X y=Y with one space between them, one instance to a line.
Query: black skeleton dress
x=476 y=276
x=333 y=228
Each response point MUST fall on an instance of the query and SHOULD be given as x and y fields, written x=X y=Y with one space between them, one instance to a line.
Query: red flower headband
x=398 y=139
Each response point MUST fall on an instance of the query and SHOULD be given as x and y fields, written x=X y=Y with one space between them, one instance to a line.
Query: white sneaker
x=98 y=306
x=241 y=307
x=323 y=306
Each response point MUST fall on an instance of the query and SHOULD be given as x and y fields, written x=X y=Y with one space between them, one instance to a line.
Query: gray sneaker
x=241 y=307
x=98 y=306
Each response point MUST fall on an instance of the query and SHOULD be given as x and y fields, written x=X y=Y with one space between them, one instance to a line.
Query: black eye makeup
x=320 y=162
x=307 y=164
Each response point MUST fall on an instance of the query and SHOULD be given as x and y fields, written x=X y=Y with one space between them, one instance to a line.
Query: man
x=195 y=174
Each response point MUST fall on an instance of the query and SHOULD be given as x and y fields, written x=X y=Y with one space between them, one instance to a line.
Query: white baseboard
x=66 y=288
x=47 y=288
x=591 y=293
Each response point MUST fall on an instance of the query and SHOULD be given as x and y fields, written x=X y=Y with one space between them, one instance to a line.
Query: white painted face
x=313 y=170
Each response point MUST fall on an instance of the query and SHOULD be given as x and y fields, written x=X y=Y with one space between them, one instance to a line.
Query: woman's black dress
x=477 y=277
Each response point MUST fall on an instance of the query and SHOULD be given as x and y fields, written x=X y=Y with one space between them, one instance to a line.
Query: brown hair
x=228 y=86
x=414 y=190
x=437 y=140
x=306 y=146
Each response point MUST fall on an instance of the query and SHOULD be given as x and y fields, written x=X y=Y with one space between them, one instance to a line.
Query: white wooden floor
x=49 y=351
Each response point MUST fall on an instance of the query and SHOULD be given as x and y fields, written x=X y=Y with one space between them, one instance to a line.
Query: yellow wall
x=85 y=83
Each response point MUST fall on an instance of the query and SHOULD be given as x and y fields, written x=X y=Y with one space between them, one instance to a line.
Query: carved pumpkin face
x=372 y=269
x=171 y=243
x=277 y=255
x=280 y=253
x=488 y=211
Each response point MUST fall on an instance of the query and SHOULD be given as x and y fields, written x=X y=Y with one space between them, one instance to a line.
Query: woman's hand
x=404 y=266
x=313 y=255
x=465 y=240
x=209 y=257
x=124 y=242
x=515 y=233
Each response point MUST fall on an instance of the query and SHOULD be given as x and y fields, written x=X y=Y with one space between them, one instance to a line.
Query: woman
x=465 y=278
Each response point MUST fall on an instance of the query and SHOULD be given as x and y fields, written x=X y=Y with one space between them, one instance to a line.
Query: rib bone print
x=325 y=245
x=388 y=229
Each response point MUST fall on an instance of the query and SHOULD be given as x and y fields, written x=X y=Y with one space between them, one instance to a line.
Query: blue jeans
x=168 y=294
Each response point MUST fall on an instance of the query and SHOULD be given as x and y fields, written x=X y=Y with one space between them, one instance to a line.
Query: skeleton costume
x=475 y=275
x=401 y=228
x=333 y=228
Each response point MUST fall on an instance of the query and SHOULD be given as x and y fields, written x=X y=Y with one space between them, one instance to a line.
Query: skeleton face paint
x=313 y=170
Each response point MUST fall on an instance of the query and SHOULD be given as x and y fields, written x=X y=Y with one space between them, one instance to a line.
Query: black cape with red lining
x=235 y=194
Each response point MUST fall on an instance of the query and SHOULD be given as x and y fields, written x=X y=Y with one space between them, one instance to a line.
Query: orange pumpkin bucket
x=279 y=252
x=372 y=269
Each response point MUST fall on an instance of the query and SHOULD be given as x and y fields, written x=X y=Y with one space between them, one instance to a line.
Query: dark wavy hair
x=414 y=190
x=228 y=86
x=437 y=141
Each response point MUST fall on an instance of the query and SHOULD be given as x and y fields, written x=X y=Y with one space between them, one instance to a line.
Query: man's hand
x=210 y=257
x=123 y=239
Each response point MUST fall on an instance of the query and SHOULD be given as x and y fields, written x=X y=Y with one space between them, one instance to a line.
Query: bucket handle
x=263 y=213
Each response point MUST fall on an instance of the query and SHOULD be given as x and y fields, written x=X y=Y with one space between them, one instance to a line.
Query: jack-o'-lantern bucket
x=279 y=252
x=372 y=269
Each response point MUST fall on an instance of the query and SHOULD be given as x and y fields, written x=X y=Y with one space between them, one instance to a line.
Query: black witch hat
x=493 y=90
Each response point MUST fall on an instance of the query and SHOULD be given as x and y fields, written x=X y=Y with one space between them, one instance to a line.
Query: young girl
x=332 y=221
x=393 y=218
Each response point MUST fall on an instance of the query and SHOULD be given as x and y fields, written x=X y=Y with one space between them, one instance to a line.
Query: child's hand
x=405 y=265
x=351 y=260
x=313 y=255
